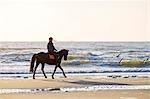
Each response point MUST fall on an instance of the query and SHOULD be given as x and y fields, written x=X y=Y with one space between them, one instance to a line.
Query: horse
x=42 y=58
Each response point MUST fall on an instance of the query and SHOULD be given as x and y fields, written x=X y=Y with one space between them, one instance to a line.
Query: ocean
x=85 y=58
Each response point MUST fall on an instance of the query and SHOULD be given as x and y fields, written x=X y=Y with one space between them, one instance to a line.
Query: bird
x=118 y=55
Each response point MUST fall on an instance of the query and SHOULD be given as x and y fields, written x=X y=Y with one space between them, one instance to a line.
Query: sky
x=75 y=20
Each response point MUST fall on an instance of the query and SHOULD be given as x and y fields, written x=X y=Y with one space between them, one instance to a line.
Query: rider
x=50 y=46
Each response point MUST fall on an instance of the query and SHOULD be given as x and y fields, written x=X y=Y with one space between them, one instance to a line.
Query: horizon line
x=77 y=41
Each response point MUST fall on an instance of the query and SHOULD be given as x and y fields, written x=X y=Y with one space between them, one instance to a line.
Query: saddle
x=53 y=57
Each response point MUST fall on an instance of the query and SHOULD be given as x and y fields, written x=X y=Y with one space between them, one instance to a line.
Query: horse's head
x=65 y=53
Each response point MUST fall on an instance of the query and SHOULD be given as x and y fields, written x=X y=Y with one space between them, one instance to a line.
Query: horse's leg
x=62 y=71
x=43 y=70
x=35 y=69
x=54 y=72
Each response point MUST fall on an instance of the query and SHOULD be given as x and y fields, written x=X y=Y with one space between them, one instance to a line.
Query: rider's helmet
x=50 y=38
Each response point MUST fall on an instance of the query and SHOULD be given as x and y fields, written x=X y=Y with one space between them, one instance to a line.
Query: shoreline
x=117 y=75
x=75 y=87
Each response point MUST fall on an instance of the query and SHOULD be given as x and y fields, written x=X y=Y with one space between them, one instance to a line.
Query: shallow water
x=76 y=89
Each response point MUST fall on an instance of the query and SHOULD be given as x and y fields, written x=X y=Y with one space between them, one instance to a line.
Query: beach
x=93 y=71
x=41 y=88
x=83 y=95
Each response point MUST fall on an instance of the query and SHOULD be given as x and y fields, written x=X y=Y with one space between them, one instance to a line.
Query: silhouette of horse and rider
x=51 y=58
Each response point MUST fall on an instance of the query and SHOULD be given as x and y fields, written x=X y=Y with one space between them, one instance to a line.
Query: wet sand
x=75 y=82
x=123 y=94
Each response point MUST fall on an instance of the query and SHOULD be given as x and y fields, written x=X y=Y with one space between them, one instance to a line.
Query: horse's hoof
x=52 y=77
x=45 y=77
x=65 y=76
x=33 y=78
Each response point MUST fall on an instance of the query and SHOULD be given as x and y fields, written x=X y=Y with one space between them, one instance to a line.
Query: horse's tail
x=32 y=62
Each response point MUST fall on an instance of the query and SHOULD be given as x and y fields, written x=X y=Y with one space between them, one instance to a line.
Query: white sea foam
x=107 y=87
x=77 y=89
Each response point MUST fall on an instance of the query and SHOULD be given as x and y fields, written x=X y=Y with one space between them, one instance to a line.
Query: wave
x=16 y=54
x=134 y=63
x=2 y=49
x=10 y=58
x=91 y=54
x=76 y=62
x=133 y=51
x=85 y=57
x=76 y=57
x=141 y=70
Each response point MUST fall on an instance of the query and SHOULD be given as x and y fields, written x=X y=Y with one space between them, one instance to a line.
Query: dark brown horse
x=42 y=58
